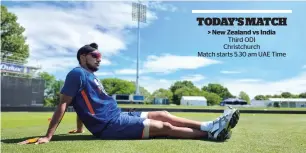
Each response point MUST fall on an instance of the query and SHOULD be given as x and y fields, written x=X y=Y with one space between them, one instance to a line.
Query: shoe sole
x=229 y=133
x=234 y=118
x=225 y=132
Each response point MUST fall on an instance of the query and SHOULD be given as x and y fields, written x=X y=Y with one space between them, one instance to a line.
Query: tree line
x=214 y=93
x=282 y=95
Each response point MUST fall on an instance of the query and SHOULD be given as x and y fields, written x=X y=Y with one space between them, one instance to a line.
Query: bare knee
x=167 y=126
x=165 y=112
x=160 y=128
x=162 y=125
x=159 y=114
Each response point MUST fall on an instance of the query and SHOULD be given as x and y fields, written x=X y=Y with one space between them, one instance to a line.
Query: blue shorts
x=129 y=125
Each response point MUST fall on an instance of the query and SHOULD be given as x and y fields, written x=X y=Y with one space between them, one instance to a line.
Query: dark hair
x=86 y=49
x=94 y=45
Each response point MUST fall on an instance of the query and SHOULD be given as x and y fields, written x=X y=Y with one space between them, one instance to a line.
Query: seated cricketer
x=104 y=119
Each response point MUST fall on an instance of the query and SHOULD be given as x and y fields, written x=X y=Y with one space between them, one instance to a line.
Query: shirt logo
x=100 y=86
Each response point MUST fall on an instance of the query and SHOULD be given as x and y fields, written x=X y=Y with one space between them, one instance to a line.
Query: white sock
x=207 y=126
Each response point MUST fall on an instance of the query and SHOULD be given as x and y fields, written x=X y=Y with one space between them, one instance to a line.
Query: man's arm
x=71 y=87
x=56 y=119
x=58 y=115
x=79 y=125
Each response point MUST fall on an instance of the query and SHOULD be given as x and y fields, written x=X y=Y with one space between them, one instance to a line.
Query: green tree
x=147 y=95
x=277 y=96
x=268 y=96
x=56 y=86
x=286 y=95
x=212 y=98
x=163 y=93
x=48 y=93
x=118 y=86
x=13 y=43
x=52 y=89
x=179 y=85
x=217 y=89
x=186 y=91
x=294 y=96
x=302 y=95
x=243 y=95
x=260 y=97
x=109 y=84
x=124 y=87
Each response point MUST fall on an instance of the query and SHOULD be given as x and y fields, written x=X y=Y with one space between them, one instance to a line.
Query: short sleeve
x=73 y=83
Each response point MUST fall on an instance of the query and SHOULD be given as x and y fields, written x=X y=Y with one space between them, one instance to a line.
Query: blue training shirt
x=92 y=104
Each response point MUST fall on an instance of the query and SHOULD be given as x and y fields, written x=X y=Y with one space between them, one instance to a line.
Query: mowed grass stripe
x=203 y=107
x=271 y=133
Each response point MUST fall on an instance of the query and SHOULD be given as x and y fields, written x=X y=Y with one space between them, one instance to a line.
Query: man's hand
x=35 y=140
x=43 y=140
x=79 y=126
x=55 y=121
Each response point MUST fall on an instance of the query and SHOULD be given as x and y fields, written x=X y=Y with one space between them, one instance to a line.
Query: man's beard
x=92 y=68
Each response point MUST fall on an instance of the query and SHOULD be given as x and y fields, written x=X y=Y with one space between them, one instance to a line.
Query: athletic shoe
x=234 y=114
x=221 y=129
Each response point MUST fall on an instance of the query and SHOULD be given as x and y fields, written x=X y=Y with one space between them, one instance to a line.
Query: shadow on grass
x=60 y=137
x=71 y=137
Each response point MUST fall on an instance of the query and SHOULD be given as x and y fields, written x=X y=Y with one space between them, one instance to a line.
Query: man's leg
x=221 y=132
x=165 y=116
x=134 y=127
x=183 y=122
x=159 y=128
x=163 y=127
x=218 y=129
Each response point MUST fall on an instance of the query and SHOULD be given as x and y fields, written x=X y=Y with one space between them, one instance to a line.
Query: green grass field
x=204 y=107
x=262 y=133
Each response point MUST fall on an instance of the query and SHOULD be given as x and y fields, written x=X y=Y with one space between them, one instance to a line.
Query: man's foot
x=233 y=114
x=221 y=129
